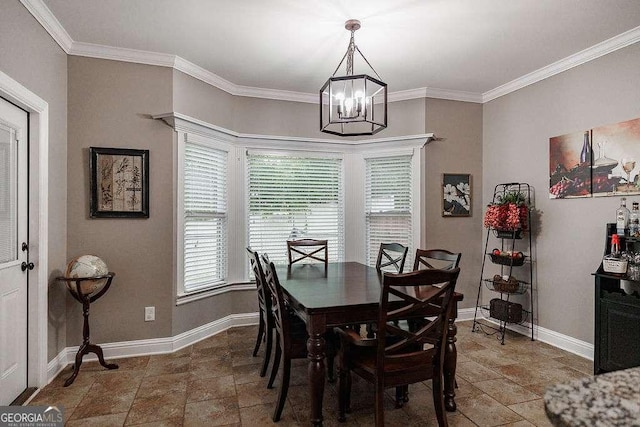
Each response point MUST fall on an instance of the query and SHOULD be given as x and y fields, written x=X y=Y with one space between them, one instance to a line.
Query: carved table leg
x=450 y=360
x=316 y=370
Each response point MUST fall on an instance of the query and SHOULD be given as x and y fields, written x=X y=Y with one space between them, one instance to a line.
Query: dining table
x=344 y=293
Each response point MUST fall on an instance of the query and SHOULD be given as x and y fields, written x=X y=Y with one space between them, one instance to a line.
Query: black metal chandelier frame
x=353 y=105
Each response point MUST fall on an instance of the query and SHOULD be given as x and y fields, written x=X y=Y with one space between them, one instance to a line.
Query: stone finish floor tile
x=260 y=415
x=533 y=411
x=211 y=388
x=485 y=411
x=216 y=412
x=215 y=382
x=474 y=371
x=169 y=406
x=505 y=391
x=159 y=385
x=115 y=420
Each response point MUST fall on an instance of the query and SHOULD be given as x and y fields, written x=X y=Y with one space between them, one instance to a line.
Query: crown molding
x=49 y=22
x=610 y=45
x=99 y=51
x=432 y=92
x=206 y=76
x=282 y=95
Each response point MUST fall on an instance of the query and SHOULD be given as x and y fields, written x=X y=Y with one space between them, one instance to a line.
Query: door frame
x=37 y=309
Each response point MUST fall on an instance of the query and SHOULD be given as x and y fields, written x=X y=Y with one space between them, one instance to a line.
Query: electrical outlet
x=149 y=314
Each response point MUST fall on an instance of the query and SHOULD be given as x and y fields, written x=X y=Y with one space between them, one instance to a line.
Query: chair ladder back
x=392 y=255
x=264 y=297
x=417 y=295
x=279 y=309
x=436 y=259
x=298 y=250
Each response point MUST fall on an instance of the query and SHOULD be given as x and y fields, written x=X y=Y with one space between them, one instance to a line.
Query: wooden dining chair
x=265 y=323
x=427 y=259
x=307 y=249
x=291 y=338
x=436 y=258
x=397 y=356
x=391 y=255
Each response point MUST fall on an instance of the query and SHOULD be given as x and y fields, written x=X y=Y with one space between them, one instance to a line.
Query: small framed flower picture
x=456 y=194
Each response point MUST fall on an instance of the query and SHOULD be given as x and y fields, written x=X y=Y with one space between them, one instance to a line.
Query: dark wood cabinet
x=617 y=339
x=617 y=323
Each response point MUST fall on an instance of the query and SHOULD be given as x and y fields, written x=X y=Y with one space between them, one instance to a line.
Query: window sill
x=195 y=296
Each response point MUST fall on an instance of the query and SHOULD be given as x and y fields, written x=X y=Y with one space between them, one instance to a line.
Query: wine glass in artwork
x=628 y=164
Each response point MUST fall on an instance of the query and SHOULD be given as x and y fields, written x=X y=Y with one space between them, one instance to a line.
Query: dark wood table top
x=341 y=286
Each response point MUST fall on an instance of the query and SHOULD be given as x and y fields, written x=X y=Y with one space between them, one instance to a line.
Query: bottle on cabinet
x=634 y=220
x=622 y=217
x=615 y=246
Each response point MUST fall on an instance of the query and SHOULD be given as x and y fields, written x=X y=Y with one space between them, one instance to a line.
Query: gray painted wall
x=517 y=128
x=460 y=124
x=30 y=56
x=109 y=106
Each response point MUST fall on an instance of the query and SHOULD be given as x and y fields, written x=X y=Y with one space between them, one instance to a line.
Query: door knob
x=24 y=266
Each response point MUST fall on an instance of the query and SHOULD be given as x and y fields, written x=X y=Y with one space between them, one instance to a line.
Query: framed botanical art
x=119 y=183
x=456 y=194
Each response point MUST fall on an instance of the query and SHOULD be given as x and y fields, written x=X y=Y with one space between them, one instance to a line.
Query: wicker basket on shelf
x=509 y=285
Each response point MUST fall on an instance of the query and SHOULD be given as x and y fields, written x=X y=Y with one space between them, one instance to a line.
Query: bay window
x=292 y=196
x=204 y=217
x=388 y=205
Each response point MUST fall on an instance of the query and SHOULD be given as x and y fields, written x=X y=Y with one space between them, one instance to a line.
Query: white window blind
x=294 y=196
x=205 y=217
x=388 y=205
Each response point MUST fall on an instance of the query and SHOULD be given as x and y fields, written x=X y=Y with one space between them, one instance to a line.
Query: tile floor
x=215 y=382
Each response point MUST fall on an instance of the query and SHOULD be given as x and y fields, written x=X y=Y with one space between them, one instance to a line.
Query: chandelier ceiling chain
x=350 y=51
x=353 y=25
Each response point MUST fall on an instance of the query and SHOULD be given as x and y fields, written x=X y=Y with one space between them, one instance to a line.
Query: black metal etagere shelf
x=504 y=271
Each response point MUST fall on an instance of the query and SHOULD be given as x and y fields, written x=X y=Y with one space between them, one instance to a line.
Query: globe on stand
x=87 y=278
x=86 y=266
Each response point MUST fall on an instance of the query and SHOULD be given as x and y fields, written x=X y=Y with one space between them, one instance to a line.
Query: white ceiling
x=466 y=46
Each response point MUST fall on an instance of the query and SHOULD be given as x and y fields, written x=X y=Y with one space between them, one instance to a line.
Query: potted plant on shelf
x=508 y=214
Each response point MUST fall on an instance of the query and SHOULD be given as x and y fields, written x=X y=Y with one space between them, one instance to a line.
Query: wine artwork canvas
x=599 y=162
x=570 y=158
x=619 y=146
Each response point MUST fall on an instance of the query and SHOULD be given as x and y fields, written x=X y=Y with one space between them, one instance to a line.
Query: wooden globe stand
x=86 y=299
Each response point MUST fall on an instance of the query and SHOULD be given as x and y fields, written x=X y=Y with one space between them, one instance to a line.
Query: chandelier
x=352 y=105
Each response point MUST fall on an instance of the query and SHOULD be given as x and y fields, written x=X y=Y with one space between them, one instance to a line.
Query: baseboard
x=556 y=339
x=147 y=347
x=119 y=350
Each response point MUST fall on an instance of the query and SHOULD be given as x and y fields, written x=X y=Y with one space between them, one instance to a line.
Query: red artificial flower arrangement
x=509 y=213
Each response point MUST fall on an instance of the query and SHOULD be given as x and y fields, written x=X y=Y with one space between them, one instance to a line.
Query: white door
x=13 y=233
